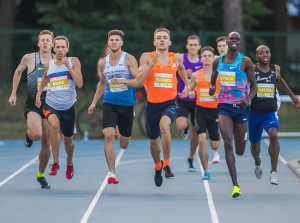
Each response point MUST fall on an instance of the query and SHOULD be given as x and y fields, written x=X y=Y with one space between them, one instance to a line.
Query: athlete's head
x=61 y=46
x=162 y=39
x=193 y=44
x=45 y=40
x=115 y=40
x=221 y=44
x=263 y=55
x=207 y=55
x=233 y=41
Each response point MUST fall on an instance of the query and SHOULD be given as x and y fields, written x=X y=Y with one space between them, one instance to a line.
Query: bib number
x=163 y=80
x=227 y=78
x=265 y=90
x=59 y=83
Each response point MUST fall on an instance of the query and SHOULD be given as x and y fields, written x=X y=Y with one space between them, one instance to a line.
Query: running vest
x=161 y=84
x=34 y=79
x=192 y=66
x=265 y=99
x=203 y=97
x=118 y=94
x=61 y=93
x=233 y=81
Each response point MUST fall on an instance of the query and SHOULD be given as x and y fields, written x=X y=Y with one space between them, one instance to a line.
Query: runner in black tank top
x=263 y=110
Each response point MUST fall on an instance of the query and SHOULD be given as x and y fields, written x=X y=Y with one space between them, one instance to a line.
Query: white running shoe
x=258 y=171
x=216 y=158
x=112 y=179
x=274 y=178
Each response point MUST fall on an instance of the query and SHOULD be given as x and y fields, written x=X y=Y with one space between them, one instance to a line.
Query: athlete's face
x=193 y=46
x=263 y=55
x=222 y=47
x=162 y=40
x=60 y=48
x=207 y=57
x=45 y=42
x=115 y=43
x=234 y=41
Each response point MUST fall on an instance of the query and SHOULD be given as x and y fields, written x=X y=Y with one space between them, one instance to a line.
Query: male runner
x=206 y=110
x=222 y=47
x=158 y=73
x=192 y=62
x=263 y=110
x=119 y=99
x=63 y=75
x=38 y=127
x=234 y=70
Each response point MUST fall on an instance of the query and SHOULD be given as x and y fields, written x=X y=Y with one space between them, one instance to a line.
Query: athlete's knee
x=180 y=124
x=109 y=137
x=68 y=143
x=35 y=136
x=202 y=142
x=55 y=127
x=239 y=152
x=124 y=145
x=273 y=135
x=164 y=128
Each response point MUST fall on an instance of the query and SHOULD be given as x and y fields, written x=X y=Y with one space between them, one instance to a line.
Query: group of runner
x=214 y=90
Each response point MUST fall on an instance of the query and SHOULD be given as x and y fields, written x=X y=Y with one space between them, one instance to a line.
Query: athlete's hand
x=116 y=80
x=243 y=104
x=155 y=57
x=12 y=100
x=65 y=62
x=215 y=97
x=38 y=101
x=192 y=94
x=185 y=92
x=91 y=109
x=212 y=89
x=189 y=72
x=295 y=101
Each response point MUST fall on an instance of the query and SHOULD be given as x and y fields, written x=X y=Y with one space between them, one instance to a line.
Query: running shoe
x=258 y=171
x=185 y=133
x=236 y=192
x=274 y=178
x=28 y=141
x=44 y=184
x=54 y=168
x=206 y=175
x=216 y=158
x=69 y=172
x=168 y=172
x=191 y=167
x=112 y=179
x=158 y=179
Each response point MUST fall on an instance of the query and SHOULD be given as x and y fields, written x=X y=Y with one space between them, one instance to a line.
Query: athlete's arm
x=75 y=70
x=214 y=75
x=251 y=77
x=17 y=77
x=43 y=84
x=283 y=85
x=100 y=88
x=194 y=78
x=183 y=74
x=132 y=65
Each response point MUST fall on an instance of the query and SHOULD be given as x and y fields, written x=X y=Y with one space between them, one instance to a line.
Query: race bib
x=163 y=80
x=227 y=78
x=59 y=83
x=117 y=87
x=204 y=95
x=39 y=79
x=265 y=90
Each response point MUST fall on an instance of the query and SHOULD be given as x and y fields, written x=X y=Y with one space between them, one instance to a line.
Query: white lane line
x=210 y=201
x=88 y=212
x=19 y=171
x=266 y=141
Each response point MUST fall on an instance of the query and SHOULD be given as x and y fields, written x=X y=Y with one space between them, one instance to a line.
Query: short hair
x=45 y=32
x=221 y=38
x=162 y=30
x=116 y=32
x=61 y=38
x=193 y=37
x=209 y=48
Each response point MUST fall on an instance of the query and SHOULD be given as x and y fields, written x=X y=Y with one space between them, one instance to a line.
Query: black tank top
x=265 y=99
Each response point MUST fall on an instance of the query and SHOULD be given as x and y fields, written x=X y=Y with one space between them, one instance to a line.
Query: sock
x=166 y=162
x=158 y=166
x=41 y=174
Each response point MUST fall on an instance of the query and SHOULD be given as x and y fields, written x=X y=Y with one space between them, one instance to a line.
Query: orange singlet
x=161 y=84
x=203 y=97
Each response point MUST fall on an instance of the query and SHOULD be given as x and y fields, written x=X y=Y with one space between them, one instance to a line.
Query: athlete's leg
x=164 y=126
x=34 y=125
x=240 y=137
x=202 y=151
x=181 y=123
x=109 y=150
x=55 y=138
x=255 y=151
x=226 y=129
x=215 y=145
x=155 y=149
x=69 y=147
x=193 y=143
x=45 y=150
x=274 y=148
x=124 y=141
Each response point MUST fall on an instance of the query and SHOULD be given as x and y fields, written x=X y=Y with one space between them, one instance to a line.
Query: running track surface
x=186 y=198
